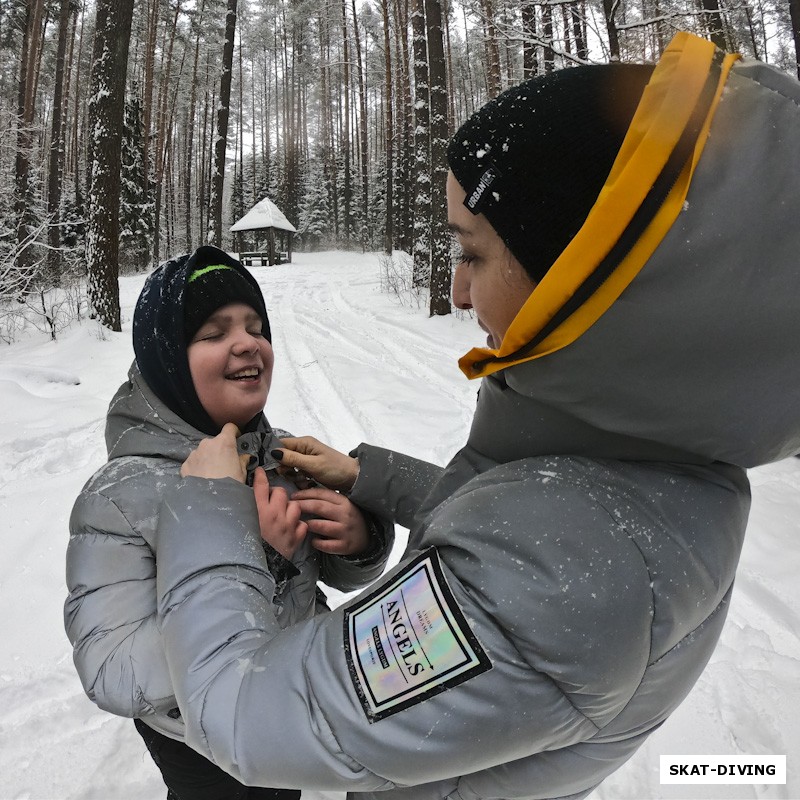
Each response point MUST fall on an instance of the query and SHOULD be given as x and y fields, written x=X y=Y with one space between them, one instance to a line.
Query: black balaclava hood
x=160 y=327
x=534 y=159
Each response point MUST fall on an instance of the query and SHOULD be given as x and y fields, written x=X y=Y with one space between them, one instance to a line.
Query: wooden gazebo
x=266 y=216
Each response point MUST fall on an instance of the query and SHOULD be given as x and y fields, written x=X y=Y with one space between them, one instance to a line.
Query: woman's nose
x=461 y=284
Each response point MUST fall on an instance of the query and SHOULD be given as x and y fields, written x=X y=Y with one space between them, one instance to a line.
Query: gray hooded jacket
x=568 y=573
x=110 y=614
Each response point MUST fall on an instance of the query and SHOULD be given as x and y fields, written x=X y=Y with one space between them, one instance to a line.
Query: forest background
x=133 y=130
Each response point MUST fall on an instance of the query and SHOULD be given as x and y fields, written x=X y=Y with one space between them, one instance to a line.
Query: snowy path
x=351 y=364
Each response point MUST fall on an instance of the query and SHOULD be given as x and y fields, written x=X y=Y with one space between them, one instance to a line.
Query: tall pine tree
x=315 y=216
x=136 y=205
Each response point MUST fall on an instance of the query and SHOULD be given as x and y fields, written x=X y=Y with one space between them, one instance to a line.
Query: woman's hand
x=339 y=527
x=217 y=457
x=278 y=516
x=324 y=464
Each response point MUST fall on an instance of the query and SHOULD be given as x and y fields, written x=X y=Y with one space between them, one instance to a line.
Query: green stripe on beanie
x=198 y=273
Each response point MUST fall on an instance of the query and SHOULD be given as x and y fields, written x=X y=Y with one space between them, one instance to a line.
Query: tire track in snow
x=331 y=408
x=337 y=347
x=385 y=350
x=375 y=365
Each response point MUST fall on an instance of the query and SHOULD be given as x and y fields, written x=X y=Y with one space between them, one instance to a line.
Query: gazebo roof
x=264 y=214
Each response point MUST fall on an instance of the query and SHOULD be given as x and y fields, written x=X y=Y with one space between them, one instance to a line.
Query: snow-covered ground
x=352 y=364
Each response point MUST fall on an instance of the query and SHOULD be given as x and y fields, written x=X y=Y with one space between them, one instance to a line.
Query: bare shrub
x=396 y=276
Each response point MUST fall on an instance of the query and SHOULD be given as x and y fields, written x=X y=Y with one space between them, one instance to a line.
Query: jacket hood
x=694 y=348
x=140 y=424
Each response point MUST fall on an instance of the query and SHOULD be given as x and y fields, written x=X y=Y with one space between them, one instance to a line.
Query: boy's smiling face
x=231 y=364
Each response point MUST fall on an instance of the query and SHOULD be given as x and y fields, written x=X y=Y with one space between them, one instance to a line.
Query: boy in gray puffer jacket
x=203 y=359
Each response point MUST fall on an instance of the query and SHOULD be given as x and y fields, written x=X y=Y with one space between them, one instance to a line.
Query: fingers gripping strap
x=642 y=197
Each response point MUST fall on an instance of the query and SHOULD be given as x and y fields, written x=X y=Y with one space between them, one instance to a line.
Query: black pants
x=190 y=776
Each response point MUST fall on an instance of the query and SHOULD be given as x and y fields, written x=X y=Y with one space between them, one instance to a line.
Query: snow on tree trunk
x=106 y=111
x=441 y=270
x=422 y=149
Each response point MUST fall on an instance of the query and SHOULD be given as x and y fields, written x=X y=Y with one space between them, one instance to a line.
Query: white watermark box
x=700 y=769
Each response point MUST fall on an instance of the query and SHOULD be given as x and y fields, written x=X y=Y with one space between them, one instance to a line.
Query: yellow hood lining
x=643 y=195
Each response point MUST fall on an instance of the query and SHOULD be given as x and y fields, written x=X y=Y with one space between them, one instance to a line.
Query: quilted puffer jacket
x=568 y=573
x=110 y=614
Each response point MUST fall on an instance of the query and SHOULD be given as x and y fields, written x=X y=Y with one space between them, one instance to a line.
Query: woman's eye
x=463 y=258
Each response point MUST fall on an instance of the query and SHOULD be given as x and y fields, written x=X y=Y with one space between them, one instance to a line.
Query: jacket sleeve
x=110 y=613
x=348 y=573
x=310 y=706
x=392 y=485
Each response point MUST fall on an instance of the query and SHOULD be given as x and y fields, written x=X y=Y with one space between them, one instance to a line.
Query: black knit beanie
x=177 y=298
x=213 y=286
x=534 y=159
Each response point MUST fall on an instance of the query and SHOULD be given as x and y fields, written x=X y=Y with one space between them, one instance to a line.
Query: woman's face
x=487 y=279
x=231 y=363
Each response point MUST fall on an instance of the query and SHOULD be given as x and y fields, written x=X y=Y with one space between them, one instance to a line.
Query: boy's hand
x=278 y=516
x=217 y=457
x=322 y=463
x=339 y=528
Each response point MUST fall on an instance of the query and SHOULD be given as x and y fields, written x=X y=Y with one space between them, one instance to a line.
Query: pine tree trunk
x=153 y=10
x=405 y=128
x=565 y=26
x=492 y=51
x=362 y=127
x=66 y=133
x=26 y=108
x=751 y=30
x=190 y=131
x=794 y=14
x=240 y=206
x=204 y=169
x=347 y=191
x=422 y=148
x=324 y=150
x=578 y=12
x=451 y=91
x=76 y=122
x=609 y=7
x=221 y=130
x=440 y=238
x=160 y=155
x=292 y=126
x=56 y=169
x=713 y=16
x=528 y=12
x=106 y=112
x=254 y=152
x=388 y=241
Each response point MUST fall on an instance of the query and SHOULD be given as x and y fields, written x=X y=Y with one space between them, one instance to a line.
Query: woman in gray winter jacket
x=629 y=243
x=203 y=359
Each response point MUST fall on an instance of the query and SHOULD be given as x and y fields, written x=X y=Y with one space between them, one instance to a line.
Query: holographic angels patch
x=409 y=640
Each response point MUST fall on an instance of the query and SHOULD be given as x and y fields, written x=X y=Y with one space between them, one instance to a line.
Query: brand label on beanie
x=475 y=200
